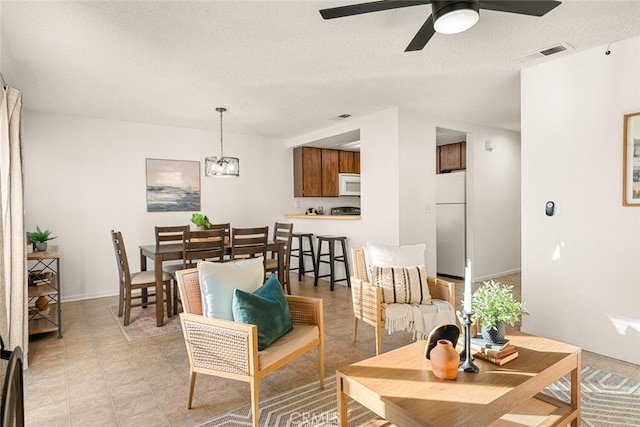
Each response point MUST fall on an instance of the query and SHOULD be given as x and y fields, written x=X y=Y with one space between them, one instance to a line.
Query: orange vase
x=445 y=360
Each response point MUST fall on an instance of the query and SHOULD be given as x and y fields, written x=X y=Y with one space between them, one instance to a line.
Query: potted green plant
x=39 y=238
x=494 y=307
x=200 y=220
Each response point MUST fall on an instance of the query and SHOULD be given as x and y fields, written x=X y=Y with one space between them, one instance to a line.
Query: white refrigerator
x=451 y=233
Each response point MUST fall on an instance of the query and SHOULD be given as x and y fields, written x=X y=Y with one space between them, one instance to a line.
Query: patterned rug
x=607 y=400
x=142 y=323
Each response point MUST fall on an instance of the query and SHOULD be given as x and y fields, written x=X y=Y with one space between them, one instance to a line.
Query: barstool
x=301 y=253
x=331 y=241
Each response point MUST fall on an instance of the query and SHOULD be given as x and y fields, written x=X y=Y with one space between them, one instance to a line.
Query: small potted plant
x=494 y=307
x=39 y=238
x=201 y=221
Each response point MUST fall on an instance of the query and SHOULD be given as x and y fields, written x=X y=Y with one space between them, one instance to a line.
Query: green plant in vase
x=200 y=220
x=40 y=238
x=494 y=307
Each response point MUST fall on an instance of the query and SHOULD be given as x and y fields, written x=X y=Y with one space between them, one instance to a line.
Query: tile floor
x=95 y=377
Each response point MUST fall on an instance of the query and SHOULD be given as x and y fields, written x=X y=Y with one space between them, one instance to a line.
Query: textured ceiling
x=279 y=68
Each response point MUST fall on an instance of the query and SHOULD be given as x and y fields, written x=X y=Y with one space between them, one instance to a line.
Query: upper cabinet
x=315 y=170
x=349 y=161
x=330 y=165
x=307 y=172
x=451 y=157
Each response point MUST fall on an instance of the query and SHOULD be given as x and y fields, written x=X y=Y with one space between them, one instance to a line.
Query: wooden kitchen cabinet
x=307 y=172
x=315 y=170
x=451 y=157
x=349 y=161
x=330 y=167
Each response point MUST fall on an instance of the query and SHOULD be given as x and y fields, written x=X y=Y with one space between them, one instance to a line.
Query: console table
x=400 y=387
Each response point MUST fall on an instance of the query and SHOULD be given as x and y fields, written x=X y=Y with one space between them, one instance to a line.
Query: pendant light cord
x=221 y=152
x=221 y=110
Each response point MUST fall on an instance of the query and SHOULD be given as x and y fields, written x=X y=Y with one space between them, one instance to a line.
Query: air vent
x=543 y=53
x=552 y=50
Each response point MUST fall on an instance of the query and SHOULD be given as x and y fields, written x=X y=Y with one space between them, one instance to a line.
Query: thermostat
x=549 y=208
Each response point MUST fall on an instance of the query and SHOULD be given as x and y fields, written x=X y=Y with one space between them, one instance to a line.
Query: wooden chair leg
x=378 y=340
x=321 y=362
x=255 y=392
x=355 y=329
x=192 y=386
x=169 y=298
x=121 y=300
x=127 y=307
x=176 y=297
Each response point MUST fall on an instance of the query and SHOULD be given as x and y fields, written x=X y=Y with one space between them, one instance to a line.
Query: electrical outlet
x=297 y=204
x=427 y=208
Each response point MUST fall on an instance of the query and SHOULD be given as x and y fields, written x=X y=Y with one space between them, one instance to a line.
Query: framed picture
x=631 y=160
x=173 y=185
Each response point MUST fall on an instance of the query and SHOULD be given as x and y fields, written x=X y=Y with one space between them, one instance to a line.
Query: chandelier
x=221 y=166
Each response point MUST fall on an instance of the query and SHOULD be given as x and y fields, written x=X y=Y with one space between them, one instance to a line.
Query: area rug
x=607 y=400
x=142 y=323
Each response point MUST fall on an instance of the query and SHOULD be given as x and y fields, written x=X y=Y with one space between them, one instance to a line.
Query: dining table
x=173 y=251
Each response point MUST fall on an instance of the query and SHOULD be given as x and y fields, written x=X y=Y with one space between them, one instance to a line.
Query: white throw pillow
x=218 y=280
x=393 y=256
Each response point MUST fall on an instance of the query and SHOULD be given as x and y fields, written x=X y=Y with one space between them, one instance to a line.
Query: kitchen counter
x=338 y=217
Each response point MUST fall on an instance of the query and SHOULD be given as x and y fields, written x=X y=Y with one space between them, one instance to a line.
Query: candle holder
x=467 y=364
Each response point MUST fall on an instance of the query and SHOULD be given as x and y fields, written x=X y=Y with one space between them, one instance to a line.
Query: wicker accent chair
x=228 y=349
x=367 y=299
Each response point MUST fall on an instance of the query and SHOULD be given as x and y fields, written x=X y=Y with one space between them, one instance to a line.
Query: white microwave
x=349 y=184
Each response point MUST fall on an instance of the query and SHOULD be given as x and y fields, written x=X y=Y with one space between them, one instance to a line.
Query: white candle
x=467 y=287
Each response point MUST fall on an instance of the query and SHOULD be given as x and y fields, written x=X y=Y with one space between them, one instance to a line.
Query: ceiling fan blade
x=423 y=35
x=374 y=6
x=525 y=7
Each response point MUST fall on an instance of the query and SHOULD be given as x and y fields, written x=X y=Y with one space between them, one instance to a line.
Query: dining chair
x=207 y=245
x=199 y=245
x=282 y=232
x=142 y=281
x=249 y=242
x=167 y=235
x=226 y=226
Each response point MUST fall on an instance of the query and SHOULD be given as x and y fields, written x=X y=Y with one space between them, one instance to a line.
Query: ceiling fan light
x=455 y=18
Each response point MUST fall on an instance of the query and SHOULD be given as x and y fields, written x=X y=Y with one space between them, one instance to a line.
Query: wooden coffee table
x=400 y=387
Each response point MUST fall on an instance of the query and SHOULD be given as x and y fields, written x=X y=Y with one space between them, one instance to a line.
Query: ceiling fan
x=447 y=17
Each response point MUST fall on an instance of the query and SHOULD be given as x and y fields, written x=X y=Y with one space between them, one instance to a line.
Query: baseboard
x=69 y=298
x=495 y=275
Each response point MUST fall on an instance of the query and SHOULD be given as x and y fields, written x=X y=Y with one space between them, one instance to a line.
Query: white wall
x=84 y=177
x=417 y=184
x=581 y=267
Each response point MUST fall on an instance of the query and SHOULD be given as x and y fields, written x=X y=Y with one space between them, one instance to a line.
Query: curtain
x=13 y=264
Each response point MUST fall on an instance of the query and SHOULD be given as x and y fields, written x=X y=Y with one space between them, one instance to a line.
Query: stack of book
x=498 y=354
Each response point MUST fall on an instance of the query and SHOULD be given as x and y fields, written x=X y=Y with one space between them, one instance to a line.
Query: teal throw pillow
x=267 y=308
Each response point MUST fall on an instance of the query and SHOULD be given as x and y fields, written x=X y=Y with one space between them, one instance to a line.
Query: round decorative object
x=494 y=335
x=41 y=246
x=42 y=303
x=445 y=360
